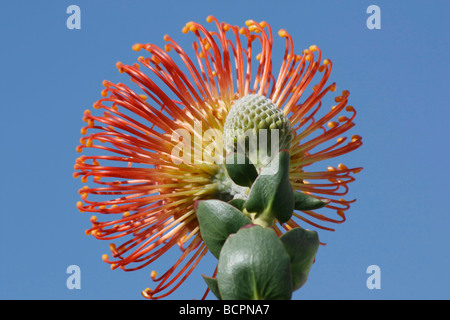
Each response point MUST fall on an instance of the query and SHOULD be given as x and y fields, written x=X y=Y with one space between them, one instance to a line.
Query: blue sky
x=398 y=77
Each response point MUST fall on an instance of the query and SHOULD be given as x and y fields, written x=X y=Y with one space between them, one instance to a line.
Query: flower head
x=146 y=173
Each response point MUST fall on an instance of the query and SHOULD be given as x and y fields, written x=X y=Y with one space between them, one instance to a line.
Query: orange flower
x=145 y=192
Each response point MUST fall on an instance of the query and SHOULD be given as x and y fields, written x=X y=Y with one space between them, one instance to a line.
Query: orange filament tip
x=79 y=149
x=80 y=205
x=313 y=48
x=96 y=233
x=263 y=24
x=143 y=97
x=333 y=87
x=321 y=68
x=105 y=258
x=76 y=174
x=167 y=48
x=332 y=124
x=147 y=293
x=258 y=56
x=153 y=274
x=97 y=105
x=342 y=119
x=106 y=83
x=87 y=232
x=126 y=214
x=248 y=23
x=113 y=248
x=342 y=166
x=356 y=137
x=350 y=109
x=326 y=62
x=136 y=47
x=166 y=37
x=282 y=33
x=104 y=93
x=84 y=179
x=119 y=65
x=209 y=19
x=226 y=27
x=83 y=130
x=193 y=28
x=331 y=168
x=93 y=219
x=185 y=29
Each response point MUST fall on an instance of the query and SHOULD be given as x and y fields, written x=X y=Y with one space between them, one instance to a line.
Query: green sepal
x=217 y=220
x=271 y=195
x=240 y=169
x=304 y=201
x=301 y=246
x=238 y=204
x=254 y=265
x=213 y=285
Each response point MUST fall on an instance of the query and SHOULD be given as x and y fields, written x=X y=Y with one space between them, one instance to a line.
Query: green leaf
x=217 y=220
x=302 y=246
x=304 y=201
x=271 y=195
x=254 y=265
x=240 y=169
x=213 y=285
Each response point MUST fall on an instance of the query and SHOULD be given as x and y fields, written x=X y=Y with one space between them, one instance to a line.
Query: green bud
x=250 y=125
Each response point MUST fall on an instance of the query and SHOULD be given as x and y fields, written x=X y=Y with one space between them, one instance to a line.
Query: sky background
x=398 y=77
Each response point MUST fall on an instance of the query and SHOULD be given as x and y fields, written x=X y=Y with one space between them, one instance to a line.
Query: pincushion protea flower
x=146 y=195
